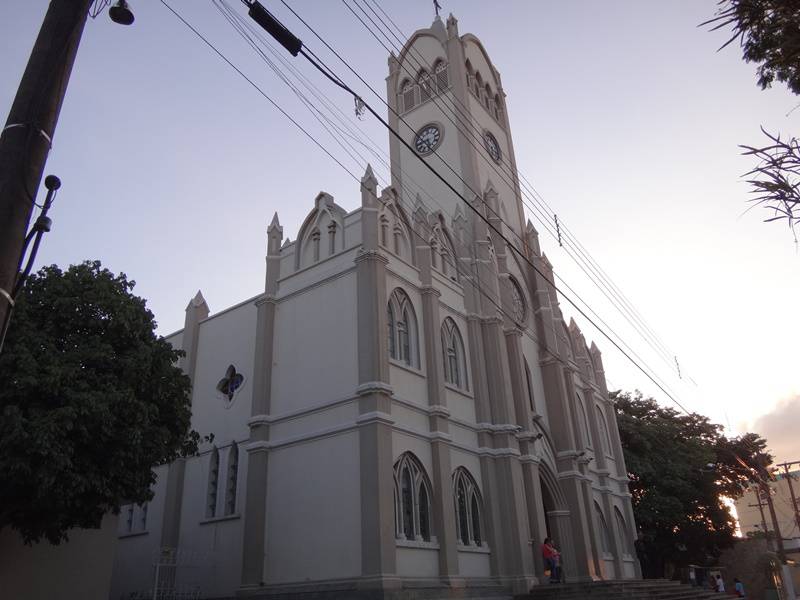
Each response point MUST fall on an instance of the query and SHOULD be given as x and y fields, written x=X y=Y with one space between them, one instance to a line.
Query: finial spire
x=437 y=7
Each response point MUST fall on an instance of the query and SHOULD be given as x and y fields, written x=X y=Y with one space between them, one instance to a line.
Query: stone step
x=649 y=589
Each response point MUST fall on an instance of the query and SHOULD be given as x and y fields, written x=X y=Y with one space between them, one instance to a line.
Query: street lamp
x=121 y=13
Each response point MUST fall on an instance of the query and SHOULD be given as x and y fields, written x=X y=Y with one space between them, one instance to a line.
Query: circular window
x=492 y=146
x=518 y=309
x=428 y=138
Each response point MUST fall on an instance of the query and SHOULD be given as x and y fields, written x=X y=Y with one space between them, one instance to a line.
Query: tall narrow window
x=213 y=483
x=454 y=357
x=584 y=422
x=233 y=474
x=143 y=516
x=605 y=439
x=529 y=383
x=403 y=340
x=408 y=95
x=384 y=231
x=129 y=518
x=605 y=539
x=468 y=508
x=315 y=243
x=412 y=499
x=424 y=81
x=623 y=531
x=332 y=238
x=442 y=80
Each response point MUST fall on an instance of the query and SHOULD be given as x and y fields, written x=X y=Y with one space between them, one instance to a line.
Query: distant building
x=404 y=405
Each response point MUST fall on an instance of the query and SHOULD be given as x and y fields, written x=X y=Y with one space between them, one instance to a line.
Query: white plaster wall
x=310 y=275
x=408 y=383
x=417 y=562
x=314 y=510
x=409 y=418
x=311 y=423
x=211 y=548
x=135 y=555
x=463 y=435
x=175 y=340
x=461 y=405
x=474 y=564
x=225 y=339
x=315 y=346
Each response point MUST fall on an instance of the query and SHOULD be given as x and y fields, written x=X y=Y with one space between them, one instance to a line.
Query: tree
x=91 y=400
x=682 y=468
x=768 y=32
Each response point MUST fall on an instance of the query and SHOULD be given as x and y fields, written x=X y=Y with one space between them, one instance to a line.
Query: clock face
x=428 y=139
x=492 y=146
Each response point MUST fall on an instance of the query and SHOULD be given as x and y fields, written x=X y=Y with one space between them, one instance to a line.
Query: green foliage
x=768 y=32
x=91 y=400
x=681 y=468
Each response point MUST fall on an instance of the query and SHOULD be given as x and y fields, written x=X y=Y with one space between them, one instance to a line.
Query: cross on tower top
x=437 y=7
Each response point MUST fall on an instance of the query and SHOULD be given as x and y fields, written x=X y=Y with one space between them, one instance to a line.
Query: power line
x=328 y=73
x=603 y=284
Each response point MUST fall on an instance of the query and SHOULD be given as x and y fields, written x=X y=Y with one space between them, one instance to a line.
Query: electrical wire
x=326 y=71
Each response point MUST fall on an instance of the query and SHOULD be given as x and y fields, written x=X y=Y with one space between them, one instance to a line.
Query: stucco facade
x=404 y=405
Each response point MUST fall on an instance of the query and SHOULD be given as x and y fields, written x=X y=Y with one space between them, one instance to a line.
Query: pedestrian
x=738 y=588
x=552 y=560
x=720 y=584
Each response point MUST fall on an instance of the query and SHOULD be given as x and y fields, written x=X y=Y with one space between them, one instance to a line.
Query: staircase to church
x=646 y=589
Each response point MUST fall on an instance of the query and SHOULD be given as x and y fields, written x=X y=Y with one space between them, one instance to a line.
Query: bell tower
x=452 y=111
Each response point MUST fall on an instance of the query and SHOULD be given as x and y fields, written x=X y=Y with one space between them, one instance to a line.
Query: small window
x=143 y=516
x=584 y=422
x=412 y=499
x=468 y=508
x=529 y=383
x=233 y=474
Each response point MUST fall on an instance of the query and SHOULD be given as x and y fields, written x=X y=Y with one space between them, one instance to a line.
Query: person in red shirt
x=552 y=560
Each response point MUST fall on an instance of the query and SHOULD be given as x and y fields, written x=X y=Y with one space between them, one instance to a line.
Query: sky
x=625 y=119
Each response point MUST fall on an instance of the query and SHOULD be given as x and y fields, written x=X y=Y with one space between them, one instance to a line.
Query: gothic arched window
x=412 y=499
x=519 y=310
x=498 y=109
x=407 y=93
x=623 y=531
x=529 y=383
x=468 y=509
x=605 y=538
x=402 y=321
x=233 y=474
x=213 y=483
x=584 y=422
x=478 y=85
x=440 y=72
x=487 y=97
x=443 y=253
x=605 y=439
x=455 y=361
x=424 y=81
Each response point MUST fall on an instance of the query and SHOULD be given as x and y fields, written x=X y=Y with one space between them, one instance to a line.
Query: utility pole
x=28 y=134
x=760 y=506
x=796 y=509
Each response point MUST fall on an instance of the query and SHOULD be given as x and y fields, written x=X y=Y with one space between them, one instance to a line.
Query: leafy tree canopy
x=768 y=32
x=682 y=468
x=90 y=401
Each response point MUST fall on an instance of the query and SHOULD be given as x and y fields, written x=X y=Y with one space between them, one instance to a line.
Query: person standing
x=720 y=584
x=738 y=588
x=552 y=560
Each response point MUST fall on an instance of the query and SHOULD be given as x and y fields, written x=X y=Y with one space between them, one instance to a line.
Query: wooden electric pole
x=28 y=133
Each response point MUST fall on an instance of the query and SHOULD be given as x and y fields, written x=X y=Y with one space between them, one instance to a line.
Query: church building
x=404 y=407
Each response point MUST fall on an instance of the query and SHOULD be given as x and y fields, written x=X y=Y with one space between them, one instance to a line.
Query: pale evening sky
x=624 y=118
